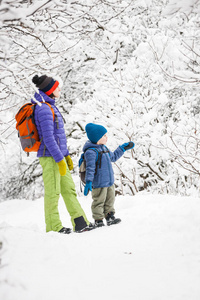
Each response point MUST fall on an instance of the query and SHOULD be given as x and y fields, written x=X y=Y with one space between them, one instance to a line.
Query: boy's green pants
x=54 y=185
x=103 y=202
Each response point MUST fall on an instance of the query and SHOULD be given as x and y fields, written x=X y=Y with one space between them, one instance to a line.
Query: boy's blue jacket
x=52 y=132
x=104 y=176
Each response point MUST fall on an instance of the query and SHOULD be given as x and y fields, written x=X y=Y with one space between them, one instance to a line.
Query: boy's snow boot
x=65 y=230
x=87 y=228
x=99 y=223
x=110 y=219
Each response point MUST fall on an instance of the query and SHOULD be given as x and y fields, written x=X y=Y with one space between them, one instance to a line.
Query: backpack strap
x=95 y=150
x=52 y=110
x=99 y=156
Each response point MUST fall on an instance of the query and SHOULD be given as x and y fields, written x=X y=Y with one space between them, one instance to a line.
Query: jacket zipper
x=108 y=164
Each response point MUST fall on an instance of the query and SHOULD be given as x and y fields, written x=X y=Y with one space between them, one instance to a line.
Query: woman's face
x=56 y=92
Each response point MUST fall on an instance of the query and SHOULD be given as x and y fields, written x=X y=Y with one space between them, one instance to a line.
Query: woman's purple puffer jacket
x=52 y=133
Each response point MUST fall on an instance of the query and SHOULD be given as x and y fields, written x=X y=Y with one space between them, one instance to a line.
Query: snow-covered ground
x=153 y=254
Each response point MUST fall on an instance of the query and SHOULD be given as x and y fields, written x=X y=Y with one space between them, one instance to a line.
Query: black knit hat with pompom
x=45 y=84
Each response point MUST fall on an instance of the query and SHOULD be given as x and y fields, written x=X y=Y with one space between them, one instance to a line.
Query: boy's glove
x=88 y=187
x=62 y=167
x=127 y=146
x=69 y=162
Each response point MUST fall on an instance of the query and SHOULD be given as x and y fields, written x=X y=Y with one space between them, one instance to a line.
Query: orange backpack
x=26 y=127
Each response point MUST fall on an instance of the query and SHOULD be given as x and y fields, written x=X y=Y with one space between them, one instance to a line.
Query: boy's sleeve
x=90 y=158
x=114 y=156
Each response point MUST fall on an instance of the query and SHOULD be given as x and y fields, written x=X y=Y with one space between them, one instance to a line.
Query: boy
x=100 y=179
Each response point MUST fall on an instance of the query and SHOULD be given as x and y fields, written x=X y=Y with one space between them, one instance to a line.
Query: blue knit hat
x=95 y=132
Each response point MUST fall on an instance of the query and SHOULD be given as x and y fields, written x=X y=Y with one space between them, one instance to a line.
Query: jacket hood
x=42 y=96
x=89 y=144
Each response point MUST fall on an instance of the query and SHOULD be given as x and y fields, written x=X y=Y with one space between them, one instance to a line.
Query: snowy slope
x=154 y=253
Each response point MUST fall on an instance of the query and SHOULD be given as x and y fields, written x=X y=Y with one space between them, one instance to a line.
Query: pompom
x=35 y=79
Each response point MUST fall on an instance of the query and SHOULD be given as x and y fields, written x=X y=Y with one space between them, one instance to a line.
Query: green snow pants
x=103 y=202
x=54 y=185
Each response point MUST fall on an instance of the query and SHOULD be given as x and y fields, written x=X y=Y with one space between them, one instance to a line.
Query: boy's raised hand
x=88 y=187
x=127 y=146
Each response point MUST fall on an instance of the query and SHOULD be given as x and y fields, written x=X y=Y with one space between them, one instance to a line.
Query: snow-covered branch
x=17 y=10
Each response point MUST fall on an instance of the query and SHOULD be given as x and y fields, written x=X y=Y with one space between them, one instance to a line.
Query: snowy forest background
x=132 y=66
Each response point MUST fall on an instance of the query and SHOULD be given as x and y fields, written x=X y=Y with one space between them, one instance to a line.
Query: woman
x=55 y=159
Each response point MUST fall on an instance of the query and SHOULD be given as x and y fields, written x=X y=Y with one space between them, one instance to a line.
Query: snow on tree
x=132 y=66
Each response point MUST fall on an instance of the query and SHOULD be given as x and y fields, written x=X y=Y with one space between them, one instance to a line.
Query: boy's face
x=103 y=140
